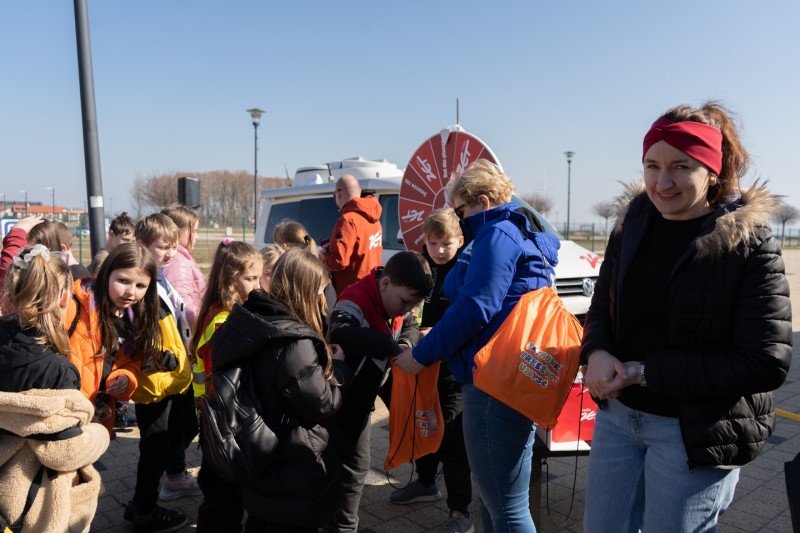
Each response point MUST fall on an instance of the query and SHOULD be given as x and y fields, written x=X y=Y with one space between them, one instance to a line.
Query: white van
x=310 y=201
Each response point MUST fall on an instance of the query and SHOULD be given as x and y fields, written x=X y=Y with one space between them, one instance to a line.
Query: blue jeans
x=638 y=458
x=499 y=443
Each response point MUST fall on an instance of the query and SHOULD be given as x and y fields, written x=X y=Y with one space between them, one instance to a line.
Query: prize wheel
x=440 y=158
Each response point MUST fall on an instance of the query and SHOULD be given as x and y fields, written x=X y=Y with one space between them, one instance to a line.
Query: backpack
x=236 y=441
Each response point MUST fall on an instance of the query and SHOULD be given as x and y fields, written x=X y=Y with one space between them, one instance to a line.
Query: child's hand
x=118 y=385
x=27 y=223
x=337 y=352
x=405 y=360
x=423 y=332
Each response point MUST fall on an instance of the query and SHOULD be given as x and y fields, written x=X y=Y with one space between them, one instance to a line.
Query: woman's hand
x=118 y=385
x=605 y=375
x=336 y=352
x=405 y=360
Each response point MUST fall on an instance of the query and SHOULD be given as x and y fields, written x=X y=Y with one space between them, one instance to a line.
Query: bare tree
x=786 y=213
x=605 y=210
x=226 y=197
x=542 y=203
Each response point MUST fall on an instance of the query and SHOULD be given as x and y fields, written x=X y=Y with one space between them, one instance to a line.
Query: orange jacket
x=85 y=344
x=356 y=242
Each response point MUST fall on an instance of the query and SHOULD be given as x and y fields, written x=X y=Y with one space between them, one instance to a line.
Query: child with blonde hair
x=235 y=272
x=44 y=419
x=33 y=341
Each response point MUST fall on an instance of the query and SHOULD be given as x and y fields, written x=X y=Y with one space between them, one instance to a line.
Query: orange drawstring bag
x=531 y=362
x=416 y=424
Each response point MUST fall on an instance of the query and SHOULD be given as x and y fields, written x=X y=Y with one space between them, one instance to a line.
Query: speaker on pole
x=189 y=192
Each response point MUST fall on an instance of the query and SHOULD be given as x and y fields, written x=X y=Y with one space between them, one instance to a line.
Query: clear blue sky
x=173 y=80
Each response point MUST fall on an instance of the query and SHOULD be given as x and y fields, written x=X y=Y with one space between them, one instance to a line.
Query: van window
x=390 y=223
x=318 y=215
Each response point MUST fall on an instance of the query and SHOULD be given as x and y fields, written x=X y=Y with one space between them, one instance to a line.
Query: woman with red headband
x=688 y=333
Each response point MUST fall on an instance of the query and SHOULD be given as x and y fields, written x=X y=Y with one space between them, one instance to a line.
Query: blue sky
x=173 y=80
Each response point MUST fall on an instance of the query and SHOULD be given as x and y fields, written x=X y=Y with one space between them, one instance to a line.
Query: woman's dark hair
x=145 y=343
x=735 y=159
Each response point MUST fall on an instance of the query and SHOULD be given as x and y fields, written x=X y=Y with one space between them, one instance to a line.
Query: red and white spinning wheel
x=442 y=156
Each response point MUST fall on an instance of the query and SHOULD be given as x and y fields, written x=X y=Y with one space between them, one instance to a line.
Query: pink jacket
x=185 y=277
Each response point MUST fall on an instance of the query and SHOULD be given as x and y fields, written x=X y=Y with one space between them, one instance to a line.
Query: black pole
x=91 y=145
x=255 y=172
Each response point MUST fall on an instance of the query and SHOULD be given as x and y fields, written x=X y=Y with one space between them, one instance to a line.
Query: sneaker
x=416 y=491
x=158 y=520
x=458 y=523
x=174 y=487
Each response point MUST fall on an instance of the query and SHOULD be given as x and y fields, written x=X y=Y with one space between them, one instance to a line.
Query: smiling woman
x=693 y=303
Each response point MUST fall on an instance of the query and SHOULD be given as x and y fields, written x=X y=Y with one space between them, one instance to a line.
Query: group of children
x=148 y=327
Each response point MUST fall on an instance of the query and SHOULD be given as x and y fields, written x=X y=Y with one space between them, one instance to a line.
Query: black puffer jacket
x=26 y=365
x=284 y=358
x=729 y=329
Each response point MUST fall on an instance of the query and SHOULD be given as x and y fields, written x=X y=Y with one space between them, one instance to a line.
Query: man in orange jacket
x=356 y=242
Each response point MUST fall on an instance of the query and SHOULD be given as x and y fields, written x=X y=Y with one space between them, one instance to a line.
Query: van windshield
x=317 y=214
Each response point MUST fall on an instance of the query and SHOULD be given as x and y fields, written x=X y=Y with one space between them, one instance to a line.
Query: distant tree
x=542 y=203
x=786 y=213
x=226 y=197
x=605 y=210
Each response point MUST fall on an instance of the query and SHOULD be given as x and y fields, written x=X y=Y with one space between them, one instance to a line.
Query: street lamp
x=27 y=209
x=255 y=114
x=52 y=201
x=569 y=155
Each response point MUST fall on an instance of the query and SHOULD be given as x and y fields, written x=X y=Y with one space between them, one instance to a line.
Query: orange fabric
x=531 y=362
x=356 y=243
x=85 y=345
x=416 y=424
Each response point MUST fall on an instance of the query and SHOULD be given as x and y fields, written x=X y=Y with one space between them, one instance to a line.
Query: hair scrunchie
x=695 y=139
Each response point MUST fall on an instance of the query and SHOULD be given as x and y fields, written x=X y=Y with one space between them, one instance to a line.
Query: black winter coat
x=26 y=365
x=285 y=360
x=729 y=325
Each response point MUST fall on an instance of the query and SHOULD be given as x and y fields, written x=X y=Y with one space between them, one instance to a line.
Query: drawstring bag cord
x=574 y=474
x=405 y=427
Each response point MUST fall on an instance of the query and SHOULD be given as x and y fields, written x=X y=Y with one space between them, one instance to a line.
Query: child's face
x=397 y=299
x=266 y=277
x=443 y=248
x=115 y=240
x=163 y=251
x=126 y=286
x=249 y=279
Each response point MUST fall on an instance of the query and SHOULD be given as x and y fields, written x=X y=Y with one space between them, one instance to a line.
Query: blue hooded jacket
x=508 y=264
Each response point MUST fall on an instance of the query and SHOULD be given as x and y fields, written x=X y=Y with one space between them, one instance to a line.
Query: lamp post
x=569 y=155
x=255 y=114
x=52 y=201
x=27 y=209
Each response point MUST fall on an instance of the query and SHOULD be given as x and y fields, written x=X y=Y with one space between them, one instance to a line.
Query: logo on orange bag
x=426 y=422
x=539 y=366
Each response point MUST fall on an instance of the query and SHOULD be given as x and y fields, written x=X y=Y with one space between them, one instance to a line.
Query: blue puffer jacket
x=508 y=263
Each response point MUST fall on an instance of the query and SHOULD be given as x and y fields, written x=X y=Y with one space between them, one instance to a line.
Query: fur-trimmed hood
x=737 y=220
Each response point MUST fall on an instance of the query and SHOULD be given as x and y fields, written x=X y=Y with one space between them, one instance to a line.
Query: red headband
x=695 y=139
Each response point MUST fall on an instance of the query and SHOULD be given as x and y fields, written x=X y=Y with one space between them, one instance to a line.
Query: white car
x=310 y=201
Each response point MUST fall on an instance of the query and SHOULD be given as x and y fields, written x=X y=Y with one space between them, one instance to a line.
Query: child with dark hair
x=372 y=321
x=443 y=240
x=120 y=231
